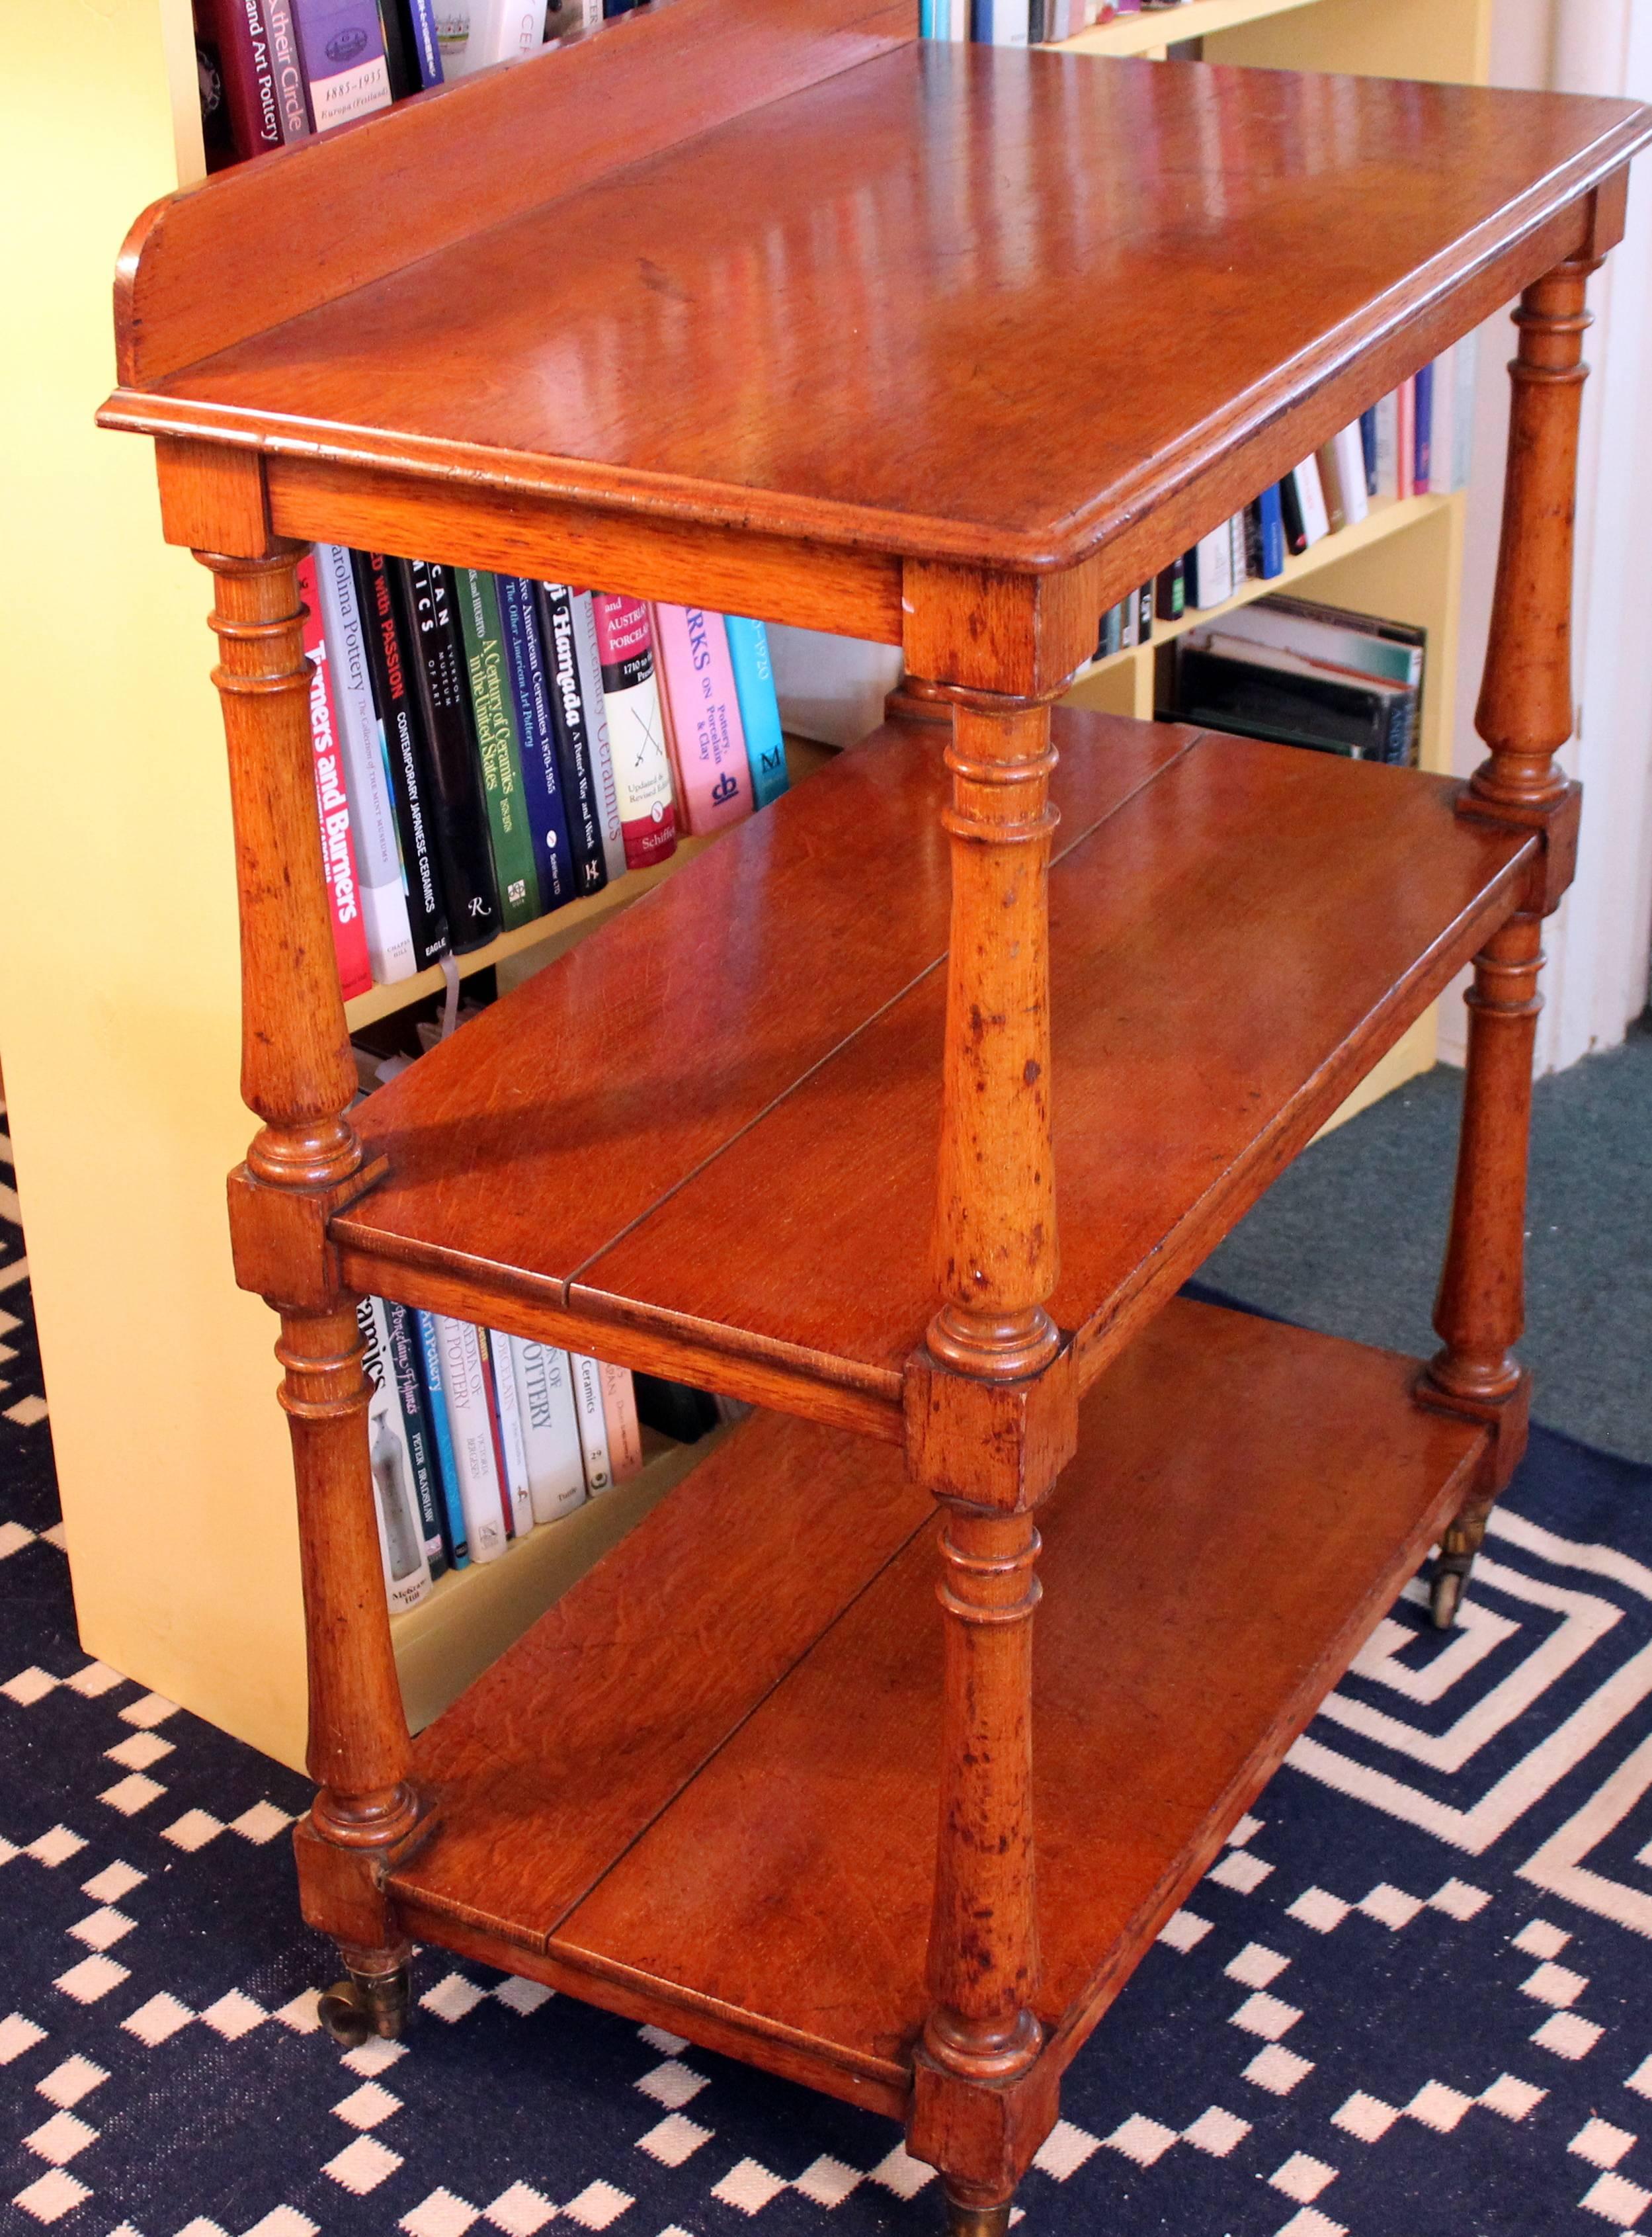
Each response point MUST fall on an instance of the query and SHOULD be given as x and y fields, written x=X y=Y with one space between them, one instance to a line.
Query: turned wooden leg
x=1524 y=716
x=298 y=1077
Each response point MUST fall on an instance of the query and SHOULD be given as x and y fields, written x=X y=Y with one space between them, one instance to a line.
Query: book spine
x=1466 y=355
x=1422 y=428
x=512 y=1444
x=1387 y=419
x=464 y=1385
x=1368 y=450
x=619 y=1422
x=430 y=1368
x=1210 y=578
x=1129 y=634
x=759 y=710
x=1271 y=519
x=341 y=44
x=641 y=772
x=1330 y=473
x=1291 y=515
x=243 y=38
x=1351 y=473
x=498 y=748
x=698 y=688
x=1238 y=550
x=1310 y=498
x=549 y=1428
x=1406 y=438
x=589 y=660
x=452 y=767
x=504 y=30
x=427 y=45
x=291 y=99
x=593 y=1423
x=1144 y=614
x=1171 y=600
x=580 y=797
x=496 y=1433
x=366 y=769
x=397 y=710
x=332 y=802
x=541 y=784
x=407 y=1573
x=400 y=61
x=403 y=1351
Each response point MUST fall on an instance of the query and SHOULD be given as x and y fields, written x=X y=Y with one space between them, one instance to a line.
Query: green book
x=500 y=748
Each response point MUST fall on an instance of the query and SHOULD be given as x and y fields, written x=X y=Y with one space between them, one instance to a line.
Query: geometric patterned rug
x=1411 y=1999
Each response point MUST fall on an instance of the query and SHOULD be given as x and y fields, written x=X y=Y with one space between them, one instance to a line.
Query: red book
x=332 y=805
x=1406 y=437
x=635 y=730
x=237 y=29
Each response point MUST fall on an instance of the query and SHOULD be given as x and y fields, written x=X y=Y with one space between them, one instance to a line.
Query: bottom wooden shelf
x=702 y=1789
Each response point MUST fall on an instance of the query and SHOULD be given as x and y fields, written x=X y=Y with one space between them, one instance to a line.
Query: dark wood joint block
x=994 y=1444
x=279 y=1239
x=980 y=2134
x=1508 y=1418
x=1553 y=824
x=344 y=1893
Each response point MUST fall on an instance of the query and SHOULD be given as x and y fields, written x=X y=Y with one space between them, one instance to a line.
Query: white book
x=1214 y=573
x=1238 y=553
x=1442 y=428
x=464 y=1388
x=958 y=21
x=549 y=1430
x=1388 y=445
x=502 y=31
x=588 y=663
x=401 y=1539
x=1310 y=495
x=379 y=880
x=1010 y=23
x=619 y=1418
x=1351 y=473
x=593 y=1423
x=1462 y=433
x=512 y=1443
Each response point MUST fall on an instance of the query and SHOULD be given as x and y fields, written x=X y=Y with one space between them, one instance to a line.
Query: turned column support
x=1524 y=716
x=297 y=1075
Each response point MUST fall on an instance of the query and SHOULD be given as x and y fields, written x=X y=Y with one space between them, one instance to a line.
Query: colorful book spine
x=429 y=1370
x=549 y=1428
x=1387 y=414
x=593 y=1423
x=239 y=32
x=332 y=802
x=287 y=64
x=641 y=772
x=366 y=769
x=496 y=1437
x=401 y=1539
x=541 y=783
x=713 y=776
x=427 y=45
x=498 y=748
x=580 y=796
x=1422 y=428
x=469 y=1423
x=1170 y=595
x=341 y=44
x=589 y=660
x=1310 y=498
x=1406 y=438
x=512 y=1444
x=1351 y=473
x=619 y=1419
x=760 y=710
x=1273 y=537
x=419 y=1437
x=393 y=693
x=1296 y=540
x=1209 y=571
x=437 y=659
x=1368 y=450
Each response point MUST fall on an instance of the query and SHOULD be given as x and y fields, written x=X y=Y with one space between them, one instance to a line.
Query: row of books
x=1414 y=443
x=275 y=71
x=489 y=748
x=1025 y=22
x=1304 y=674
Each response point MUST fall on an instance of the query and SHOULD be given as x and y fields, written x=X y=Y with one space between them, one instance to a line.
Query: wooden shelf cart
x=904 y=1110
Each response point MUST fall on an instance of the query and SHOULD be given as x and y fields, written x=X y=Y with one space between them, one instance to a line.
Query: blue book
x=760 y=710
x=426 y=41
x=403 y=1362
x=926 y=19
x=430 y=1362
x=541 y=783
x=1368 y=447
x=1273 y=530
x=1425 y=418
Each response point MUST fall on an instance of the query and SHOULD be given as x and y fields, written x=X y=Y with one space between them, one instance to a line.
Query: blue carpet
x=1411 y=1997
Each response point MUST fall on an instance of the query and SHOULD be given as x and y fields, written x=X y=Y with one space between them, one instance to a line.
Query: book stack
x=489 y=749
x=1304 y=674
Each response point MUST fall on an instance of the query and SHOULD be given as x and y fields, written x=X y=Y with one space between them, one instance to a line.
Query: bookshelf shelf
x=1149 y=32
x=806 y=1124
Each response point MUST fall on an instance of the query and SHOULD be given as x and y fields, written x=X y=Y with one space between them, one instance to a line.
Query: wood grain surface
x=1190 y=1623
x=868 y=310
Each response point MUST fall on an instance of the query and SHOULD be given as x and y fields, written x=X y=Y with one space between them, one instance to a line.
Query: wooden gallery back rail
x=905 y=1109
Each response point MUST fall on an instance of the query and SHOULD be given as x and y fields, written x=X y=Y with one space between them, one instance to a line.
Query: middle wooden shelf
x=687 y=1146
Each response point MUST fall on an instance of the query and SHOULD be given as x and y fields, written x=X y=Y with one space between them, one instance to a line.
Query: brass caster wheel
x=964 y=2220
x=366 y=2004
x=1445 y=1598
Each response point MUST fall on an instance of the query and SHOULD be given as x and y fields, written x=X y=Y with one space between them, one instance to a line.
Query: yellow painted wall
x=118 y=989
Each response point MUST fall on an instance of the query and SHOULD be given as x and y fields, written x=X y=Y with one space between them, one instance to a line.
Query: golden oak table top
x=950 y=301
